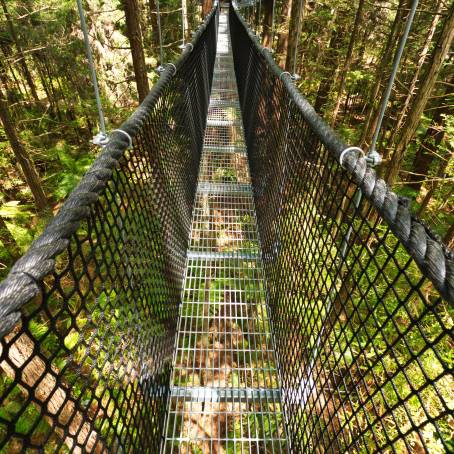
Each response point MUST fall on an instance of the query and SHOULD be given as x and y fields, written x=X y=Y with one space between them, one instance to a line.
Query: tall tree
x=206 y=7
x=424 y=90
x=424 y=51
x=134 y=33
x=24 y=159
x=433 y=137
x=267 y=23
x=381 y=72
x=329 y=63
x=22 y=61
x=296 y=17
x=348 y=59
x=282 y=41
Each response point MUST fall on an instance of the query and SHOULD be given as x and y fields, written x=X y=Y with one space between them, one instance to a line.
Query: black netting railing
x=360 y=292
x=88 y=315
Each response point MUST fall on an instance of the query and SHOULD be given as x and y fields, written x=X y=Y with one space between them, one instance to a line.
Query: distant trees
x=23 y=157
x=47 y=109
x=345 y=53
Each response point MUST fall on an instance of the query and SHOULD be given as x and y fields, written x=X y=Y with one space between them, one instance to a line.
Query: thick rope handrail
x=21 y=284
x=435 y=259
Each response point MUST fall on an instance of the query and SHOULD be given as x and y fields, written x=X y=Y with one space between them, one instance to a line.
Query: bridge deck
x=225 y=395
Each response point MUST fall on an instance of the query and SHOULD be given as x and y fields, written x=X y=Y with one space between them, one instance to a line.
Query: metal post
x=272 y=25
x=372 y=154
x=160 y=68
x=182 y=45
x=101 y=137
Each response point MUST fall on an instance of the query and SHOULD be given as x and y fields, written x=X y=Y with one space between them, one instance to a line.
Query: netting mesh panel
x=87 y=368
x=364 y=342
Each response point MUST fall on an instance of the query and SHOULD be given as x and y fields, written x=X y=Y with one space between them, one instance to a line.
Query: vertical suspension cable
x=101 y=137
x=272 y=25
x=403 y=40
x=183 y=8
x=161 y=56
x=373 y=158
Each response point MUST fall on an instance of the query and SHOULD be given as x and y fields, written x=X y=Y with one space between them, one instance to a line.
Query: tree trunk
x=422 y=58
x=348 y=59
x=293 y=33
x=206 y=7
x=440 y=174
x=154 y=23
x=432 y=139
x=381 y=72
x=24 y=159
x=134 y=34
x=267 y=23
x=21 y=87
x=282 y=41
x=22 y=61
x=412 y=121
x=329 y=68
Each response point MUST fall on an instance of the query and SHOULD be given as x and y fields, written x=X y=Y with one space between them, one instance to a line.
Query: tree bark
x=154 y=23
x=381 y=72
x=428 y=197
x=422 y=58
x=412 y=121
x=282 y=41
x=329 y=68
x=22 y=60
x=295 y=17
x=267 y=33
x=134 y=33
x=24 y=159
x=206 y=7
x=432 y=139
x=348 y=59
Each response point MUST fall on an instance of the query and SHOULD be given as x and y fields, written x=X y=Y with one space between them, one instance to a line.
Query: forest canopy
x=341 y=51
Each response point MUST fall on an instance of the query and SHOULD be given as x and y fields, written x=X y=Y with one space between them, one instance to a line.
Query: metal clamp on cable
x=373 y=158
x=192 y=46
x=126 y=135
x=174 y=68
x=347 y=150
x=283 y=73
x=101 y=139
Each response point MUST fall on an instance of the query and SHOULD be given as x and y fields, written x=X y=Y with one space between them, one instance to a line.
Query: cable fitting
x=348 y=150
x=101 y=139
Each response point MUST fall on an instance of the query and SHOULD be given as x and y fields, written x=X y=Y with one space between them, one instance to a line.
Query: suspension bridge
x=229 y=276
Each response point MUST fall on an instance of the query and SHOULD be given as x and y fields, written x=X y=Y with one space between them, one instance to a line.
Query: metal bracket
x=101 y=139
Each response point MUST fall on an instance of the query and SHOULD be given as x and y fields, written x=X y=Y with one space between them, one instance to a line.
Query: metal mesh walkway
x=224 y=390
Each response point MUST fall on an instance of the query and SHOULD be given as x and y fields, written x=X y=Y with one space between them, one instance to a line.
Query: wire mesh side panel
x=86 y=368
x=363 y=340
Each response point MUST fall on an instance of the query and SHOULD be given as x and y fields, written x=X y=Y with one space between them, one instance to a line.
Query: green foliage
x=72 y=168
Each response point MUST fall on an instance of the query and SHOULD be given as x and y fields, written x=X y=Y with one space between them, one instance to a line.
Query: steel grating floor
x=225 y=395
